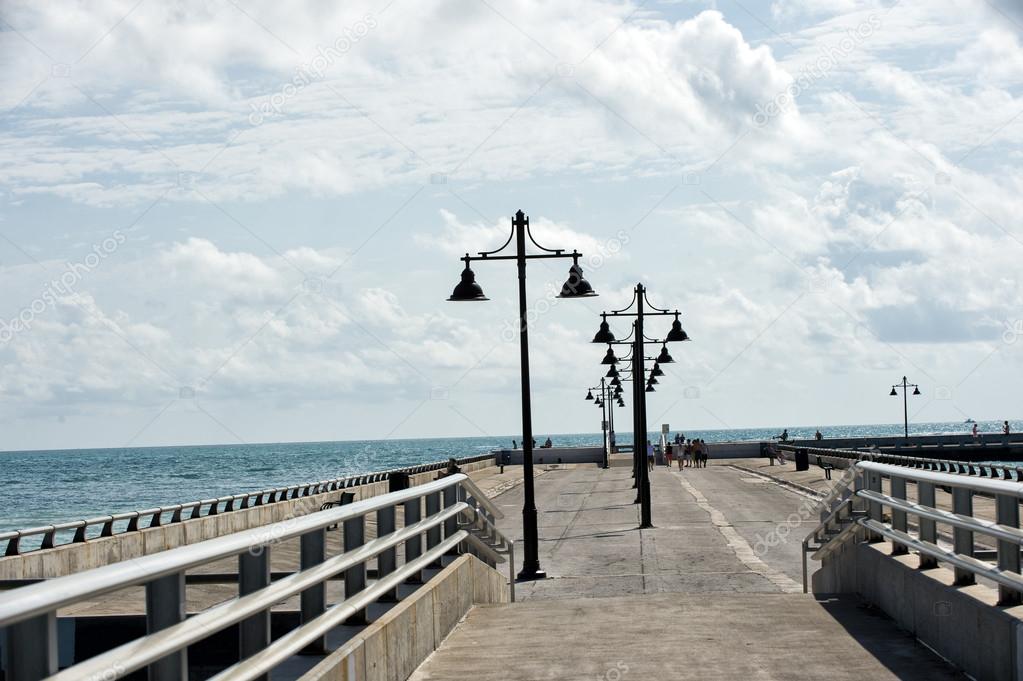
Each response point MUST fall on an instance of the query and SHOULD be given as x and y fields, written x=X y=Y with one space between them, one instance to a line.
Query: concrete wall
x=556 y=455
x=396 y=644
x=962 y=624
x=70 y=558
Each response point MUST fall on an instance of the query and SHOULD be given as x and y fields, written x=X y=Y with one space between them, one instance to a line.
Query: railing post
x=253 y=575
x=432 y=508
x=355 y=576
x=31 y=648
x=874 y=510
x=387 y=561
x=898 y=489
x=451 y=524
x=962 y=539
x=165 y=606
x=1007 y=513
x=312 y=551
x=414 y=545
x=928 y=528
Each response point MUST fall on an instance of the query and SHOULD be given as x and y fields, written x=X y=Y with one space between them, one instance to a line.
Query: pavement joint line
x=743 y=551
x=793 y=486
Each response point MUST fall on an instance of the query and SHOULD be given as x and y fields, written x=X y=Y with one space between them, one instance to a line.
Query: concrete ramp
x=681 y=636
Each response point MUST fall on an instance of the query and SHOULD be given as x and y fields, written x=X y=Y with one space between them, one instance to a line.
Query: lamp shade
x=676 y=333
x=916 y=390
x=893 y=393
x=589 y=394
x=604 y=335
x=656 y=371
x=650 y=389
x=665 y=357
x=612 y=372
x=576 y=285
x=609 y=358
x=616 y=382
x=621 y=402
x=468 y=289
x=652 y=381
x=599 y=403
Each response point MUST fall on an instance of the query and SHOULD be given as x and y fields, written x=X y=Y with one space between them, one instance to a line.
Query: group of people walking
x=688 y=453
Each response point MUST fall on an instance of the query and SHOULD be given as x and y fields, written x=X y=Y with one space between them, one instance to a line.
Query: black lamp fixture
x=575 y=286
x=665 y=357
x=612 y=372
x=893 y=393
x=650 y=388
x=676 y=334
x=589 y=394
x=616 y=382
x=609 y=358
x=604 y=335
x=467 y=289
x=656 y=371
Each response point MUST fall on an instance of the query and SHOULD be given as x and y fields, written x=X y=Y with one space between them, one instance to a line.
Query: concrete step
x=718 y=637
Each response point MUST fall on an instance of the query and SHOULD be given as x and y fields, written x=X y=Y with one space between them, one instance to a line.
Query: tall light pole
x=905 y=385
x=574 y=287
x=609 y=392
x=604 y=335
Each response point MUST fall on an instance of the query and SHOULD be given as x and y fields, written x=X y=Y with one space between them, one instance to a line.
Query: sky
x=239 y=222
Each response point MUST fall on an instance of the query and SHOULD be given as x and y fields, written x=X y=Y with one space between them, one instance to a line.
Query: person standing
x=975 y=433
x=817 y=435
x=1005 y=428
x=668 y=452
x=649 y=455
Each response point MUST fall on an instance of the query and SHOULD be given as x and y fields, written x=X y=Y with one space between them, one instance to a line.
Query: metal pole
x=604 y=407
x=530 y=559
x=644 y=481
x=905 y=405
x=639 y=445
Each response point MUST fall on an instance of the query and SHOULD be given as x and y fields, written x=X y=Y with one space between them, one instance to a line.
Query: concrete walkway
x=702 y=595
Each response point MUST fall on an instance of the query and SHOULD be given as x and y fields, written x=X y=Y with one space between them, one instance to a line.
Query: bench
x=346 y=498
x=826 y=467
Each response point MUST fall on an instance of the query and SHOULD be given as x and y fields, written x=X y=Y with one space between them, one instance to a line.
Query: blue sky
x=228 y=222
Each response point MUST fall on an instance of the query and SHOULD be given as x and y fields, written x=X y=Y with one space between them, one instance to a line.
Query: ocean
x=44 y=487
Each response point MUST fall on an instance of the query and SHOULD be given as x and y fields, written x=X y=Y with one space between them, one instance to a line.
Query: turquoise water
x=43 y=487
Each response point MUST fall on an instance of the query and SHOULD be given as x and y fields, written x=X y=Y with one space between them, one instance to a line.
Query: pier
x=751 y=570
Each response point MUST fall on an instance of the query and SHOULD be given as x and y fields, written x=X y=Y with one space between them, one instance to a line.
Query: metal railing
x=864 y=512
x=458 y=517
x=132 y=521
x=847 y=456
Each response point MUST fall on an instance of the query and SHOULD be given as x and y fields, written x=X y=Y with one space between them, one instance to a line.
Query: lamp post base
x=530 y=574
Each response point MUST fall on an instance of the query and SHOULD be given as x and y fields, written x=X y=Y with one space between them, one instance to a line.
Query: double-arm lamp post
x=651 y=380
x=609 y=393
x=575 y=287
x=604 y=335
x=905 y=385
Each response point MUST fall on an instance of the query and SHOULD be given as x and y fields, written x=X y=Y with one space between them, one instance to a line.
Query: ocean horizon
x=58 y=485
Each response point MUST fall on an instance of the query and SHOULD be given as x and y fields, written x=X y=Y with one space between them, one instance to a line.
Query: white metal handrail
x=964 y=524
x=28 y=614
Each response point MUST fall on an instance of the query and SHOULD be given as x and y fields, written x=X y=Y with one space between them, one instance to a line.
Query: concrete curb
x=796 y=487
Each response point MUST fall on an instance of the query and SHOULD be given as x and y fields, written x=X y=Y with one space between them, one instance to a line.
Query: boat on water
x=969 y=421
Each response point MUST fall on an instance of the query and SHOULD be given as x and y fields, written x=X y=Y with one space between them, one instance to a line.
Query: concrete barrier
x=393 y=647
x=554 y=455
x=74 y=557
x=963 y=624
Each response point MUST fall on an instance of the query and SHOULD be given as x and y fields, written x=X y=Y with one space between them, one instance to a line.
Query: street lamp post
x=606 y=401
x=905 y=385
x=604 y=335
x=574 y=287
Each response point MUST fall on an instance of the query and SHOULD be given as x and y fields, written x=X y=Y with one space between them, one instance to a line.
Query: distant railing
x=132 y=521
x=846 y=456
x=964 y=557
x=458 y=517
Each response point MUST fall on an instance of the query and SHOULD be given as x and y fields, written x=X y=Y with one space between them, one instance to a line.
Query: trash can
x=802 y=460
x=398 y=481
